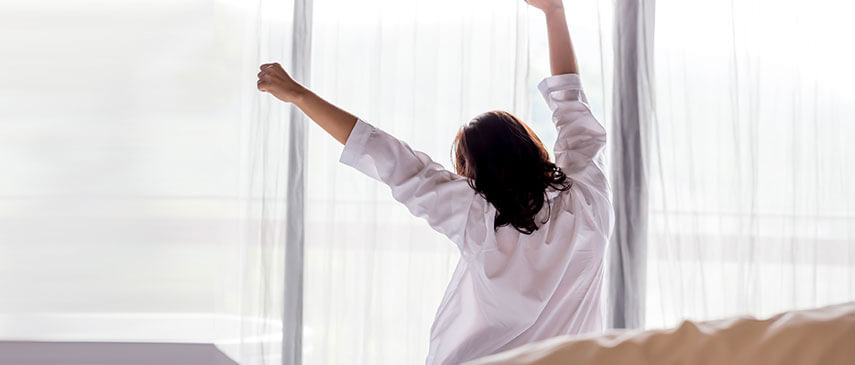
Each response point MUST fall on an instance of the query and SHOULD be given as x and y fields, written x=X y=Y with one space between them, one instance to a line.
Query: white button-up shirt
x=509 y=288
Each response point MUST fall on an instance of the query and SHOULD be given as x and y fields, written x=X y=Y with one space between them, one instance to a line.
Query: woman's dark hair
x=507 y=164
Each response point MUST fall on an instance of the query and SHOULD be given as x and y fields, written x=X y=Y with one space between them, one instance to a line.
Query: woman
x=532 y=233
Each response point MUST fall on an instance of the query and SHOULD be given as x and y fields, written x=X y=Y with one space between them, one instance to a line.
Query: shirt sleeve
x=581 y=138
x=426 y=188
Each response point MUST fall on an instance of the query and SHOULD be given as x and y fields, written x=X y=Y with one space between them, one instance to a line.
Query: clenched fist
x=274 y=80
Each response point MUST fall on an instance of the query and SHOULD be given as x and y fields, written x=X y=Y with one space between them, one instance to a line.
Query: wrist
x=299 y=94
x=554 y=10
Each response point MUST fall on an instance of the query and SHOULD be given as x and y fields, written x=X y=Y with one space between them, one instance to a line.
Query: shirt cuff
x=356 y=142
x=559 y=82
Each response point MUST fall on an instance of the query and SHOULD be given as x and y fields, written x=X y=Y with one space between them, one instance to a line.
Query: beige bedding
x=816 y=336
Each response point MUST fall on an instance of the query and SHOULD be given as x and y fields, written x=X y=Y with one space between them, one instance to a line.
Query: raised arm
x=444 y=199
x=581 y=138
x=562 y=59
x=274 y=80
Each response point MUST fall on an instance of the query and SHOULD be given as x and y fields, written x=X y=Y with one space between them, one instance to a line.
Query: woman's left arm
x=274 y=80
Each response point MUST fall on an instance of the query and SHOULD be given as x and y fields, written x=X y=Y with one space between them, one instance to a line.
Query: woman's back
x=509 y=288
x=523 y=288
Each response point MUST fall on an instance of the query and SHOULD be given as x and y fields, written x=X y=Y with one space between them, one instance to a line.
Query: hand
x=274 y=80
x=546 y=5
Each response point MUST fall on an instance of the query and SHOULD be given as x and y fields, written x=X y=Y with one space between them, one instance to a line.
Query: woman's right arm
x=444 y=199
x=275 y=80
x=562 y=58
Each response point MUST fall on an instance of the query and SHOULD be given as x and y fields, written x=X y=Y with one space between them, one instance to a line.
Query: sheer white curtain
x=144 y=177
x=751 y=159
x=418 y=69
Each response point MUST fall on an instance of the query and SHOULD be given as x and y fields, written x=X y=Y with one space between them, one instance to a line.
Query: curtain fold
x=295 y=241
x=632 y=115
x=273 y=174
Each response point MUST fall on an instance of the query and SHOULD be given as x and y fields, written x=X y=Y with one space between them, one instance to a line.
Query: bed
x=816 y=336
